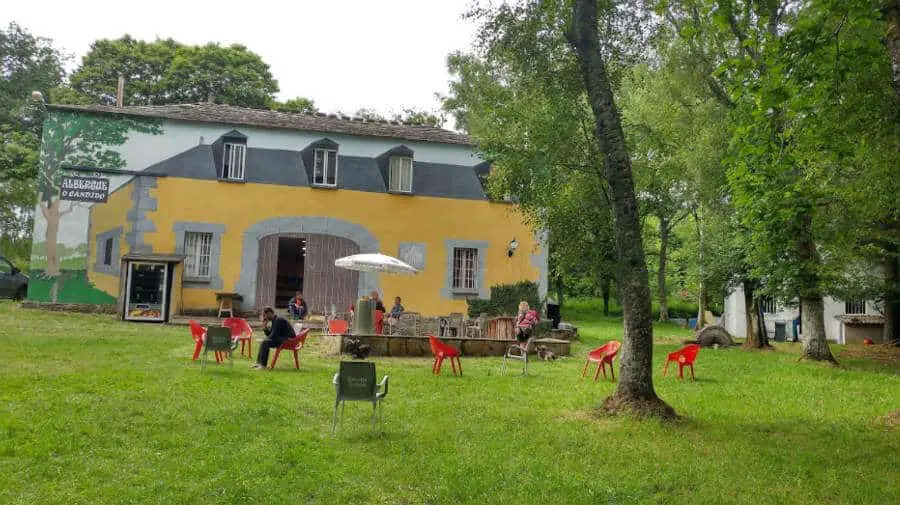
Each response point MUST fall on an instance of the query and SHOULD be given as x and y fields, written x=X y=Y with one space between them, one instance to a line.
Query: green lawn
x=96 y=411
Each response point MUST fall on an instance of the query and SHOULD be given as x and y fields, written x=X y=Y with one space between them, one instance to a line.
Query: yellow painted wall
x=104 y=217
x=391 y=218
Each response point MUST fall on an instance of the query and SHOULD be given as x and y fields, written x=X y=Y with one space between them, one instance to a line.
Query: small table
x=226 y=303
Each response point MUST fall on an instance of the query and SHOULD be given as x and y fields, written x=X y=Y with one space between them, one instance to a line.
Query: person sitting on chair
x=278 y=330
x=297 y=307
x=397 y=309
x=378 y=304
x=525 y=322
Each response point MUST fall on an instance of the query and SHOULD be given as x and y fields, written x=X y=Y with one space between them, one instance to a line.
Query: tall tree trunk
x=757 y=338
x=661 y=274
x=702 y=306
x=892 y=294
x=634 y=392
x=604 y=291
x=812 y=305
x=891 y=15
x=815 y=345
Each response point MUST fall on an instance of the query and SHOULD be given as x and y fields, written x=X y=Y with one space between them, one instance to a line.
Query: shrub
x=505 y=298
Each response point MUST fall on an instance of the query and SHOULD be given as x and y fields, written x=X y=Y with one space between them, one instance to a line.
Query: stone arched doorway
x=326 y=237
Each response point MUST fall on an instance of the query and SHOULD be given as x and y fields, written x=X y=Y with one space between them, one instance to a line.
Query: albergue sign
x=84 y=189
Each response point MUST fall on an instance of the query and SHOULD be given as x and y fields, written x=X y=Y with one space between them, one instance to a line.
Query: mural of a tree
x=78 y=139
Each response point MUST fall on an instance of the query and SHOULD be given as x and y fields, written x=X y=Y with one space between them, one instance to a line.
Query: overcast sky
x=343 y=54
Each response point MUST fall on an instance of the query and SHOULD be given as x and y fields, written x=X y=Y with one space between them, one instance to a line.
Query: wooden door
x=266 y=272
x=323 y=283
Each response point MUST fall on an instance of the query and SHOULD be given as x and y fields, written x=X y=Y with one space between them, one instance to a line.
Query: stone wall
x=385 y=345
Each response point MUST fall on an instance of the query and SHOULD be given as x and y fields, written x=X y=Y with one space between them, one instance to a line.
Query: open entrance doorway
x=291 y=262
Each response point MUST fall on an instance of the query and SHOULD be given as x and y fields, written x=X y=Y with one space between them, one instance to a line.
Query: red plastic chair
x=379 y=322
x=242 y=332
x=603 y=355
x=198 y=333
x=338 y=327
x=440 y=351
x=295 y=344
x=684 y=356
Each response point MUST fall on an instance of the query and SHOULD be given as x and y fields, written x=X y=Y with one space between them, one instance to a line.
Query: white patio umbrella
x=376 y=263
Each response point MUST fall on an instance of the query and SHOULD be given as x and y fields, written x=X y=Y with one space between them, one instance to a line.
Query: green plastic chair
x=218 y=339
x=356 y=382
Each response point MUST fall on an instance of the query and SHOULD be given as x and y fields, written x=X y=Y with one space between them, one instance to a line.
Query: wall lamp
x=513 y=245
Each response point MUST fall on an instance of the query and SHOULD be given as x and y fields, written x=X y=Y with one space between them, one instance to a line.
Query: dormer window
x=233 y=160
x=325 y=167
x=401 y=174
x=230 y=156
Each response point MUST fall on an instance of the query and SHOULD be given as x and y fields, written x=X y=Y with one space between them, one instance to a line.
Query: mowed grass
x=97 y=411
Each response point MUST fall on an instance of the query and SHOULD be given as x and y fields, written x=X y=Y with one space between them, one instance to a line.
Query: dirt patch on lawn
x=882 y=353
x=891 y=420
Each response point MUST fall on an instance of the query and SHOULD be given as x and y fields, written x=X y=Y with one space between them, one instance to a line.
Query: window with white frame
x=855 y=306
x=325 y=167
x=768 y=304
x=233 y=161
x=465 y=269
x=401 y=174
x=197 y=248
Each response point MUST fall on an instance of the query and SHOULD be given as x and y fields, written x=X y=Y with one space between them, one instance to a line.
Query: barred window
x=465 y=262
x=197 y=247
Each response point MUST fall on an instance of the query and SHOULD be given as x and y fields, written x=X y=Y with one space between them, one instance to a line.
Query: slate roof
x=227 y=114
x=276 y=166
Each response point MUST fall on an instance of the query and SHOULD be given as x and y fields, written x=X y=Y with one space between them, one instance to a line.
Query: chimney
x=120 y=92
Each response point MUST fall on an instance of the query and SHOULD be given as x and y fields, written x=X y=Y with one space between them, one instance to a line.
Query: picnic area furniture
x=295 y=345
x=684 y=357
x=518 y=352
x=441 y=351
x=227 y=302
x=603 y=355
x=198 y=333
x=218 y=340
x=242 y=332
x=338 y=327
x=355 y=381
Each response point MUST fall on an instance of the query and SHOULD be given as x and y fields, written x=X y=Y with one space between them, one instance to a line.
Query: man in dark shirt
x=377 y=300
x=278 y=330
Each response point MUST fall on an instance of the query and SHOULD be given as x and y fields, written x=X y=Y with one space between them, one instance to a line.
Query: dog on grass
x=545 y=354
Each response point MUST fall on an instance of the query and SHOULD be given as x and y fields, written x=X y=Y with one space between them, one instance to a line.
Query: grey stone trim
x=115 y=261
x=540 y=259
x=362 y=237
x=215 y=252
x=412 y=253
x=447 y=292
x=141 y=203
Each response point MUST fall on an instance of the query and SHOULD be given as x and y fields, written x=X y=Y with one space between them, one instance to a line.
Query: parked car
x=13 y=283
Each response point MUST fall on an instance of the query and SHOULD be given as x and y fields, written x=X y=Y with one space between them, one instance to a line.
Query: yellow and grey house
x=212 y=198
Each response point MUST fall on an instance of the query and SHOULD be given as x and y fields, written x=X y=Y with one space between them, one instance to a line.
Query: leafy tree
x=27 y=63
x=165 y=71
x=144 y=65
x=232 y=75
x=298 y=105
x=540 y=105
x=420 y=117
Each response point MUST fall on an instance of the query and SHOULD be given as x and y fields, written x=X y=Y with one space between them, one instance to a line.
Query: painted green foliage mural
x=73 y=139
